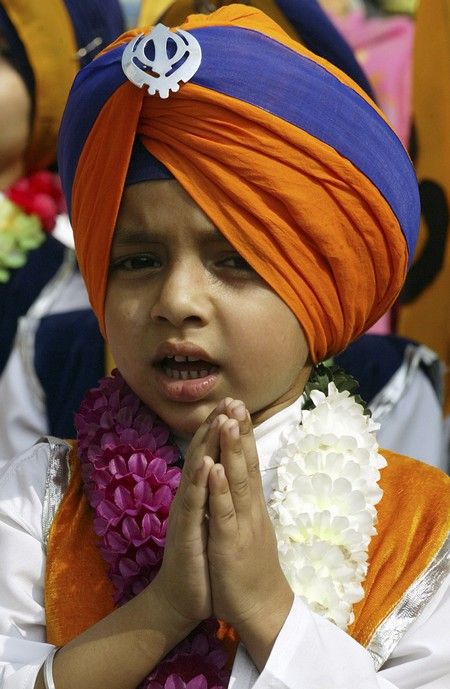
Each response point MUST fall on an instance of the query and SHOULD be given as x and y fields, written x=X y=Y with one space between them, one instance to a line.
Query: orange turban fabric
x=286 y=155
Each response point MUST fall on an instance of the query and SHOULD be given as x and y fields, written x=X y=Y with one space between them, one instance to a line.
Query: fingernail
x=239 y=412
x=219 y=420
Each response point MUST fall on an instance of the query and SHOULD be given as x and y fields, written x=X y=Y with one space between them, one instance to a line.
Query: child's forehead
x=126 y=235
x=162 y=211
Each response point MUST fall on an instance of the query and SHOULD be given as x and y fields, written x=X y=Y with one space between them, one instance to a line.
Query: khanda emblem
x=162 y=60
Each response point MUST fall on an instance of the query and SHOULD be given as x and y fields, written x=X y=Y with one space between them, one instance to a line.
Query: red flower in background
x=39 y=194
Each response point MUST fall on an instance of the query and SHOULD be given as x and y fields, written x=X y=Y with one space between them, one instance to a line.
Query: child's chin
x=185 y=423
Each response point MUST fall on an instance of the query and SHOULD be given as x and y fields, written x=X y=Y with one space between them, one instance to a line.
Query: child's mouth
x=186 y=367
x=185 y=378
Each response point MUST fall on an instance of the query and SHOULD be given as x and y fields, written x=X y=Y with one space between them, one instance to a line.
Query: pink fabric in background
x=383 y=326
x=384 y=49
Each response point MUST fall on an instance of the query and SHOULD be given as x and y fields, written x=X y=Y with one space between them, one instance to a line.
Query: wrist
x=177 y=621
x=175 y=624
x=259 y=631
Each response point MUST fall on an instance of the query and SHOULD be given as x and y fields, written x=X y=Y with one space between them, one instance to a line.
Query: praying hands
x=221 y=554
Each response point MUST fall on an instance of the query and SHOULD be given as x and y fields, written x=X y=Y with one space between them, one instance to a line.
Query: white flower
x=323 y=503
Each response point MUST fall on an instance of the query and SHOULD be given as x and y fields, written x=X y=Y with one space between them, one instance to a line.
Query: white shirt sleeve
x=22 y=615
x=312 y=653
x=309 y=653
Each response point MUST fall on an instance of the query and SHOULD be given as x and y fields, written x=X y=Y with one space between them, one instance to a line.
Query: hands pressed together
x=220 y=560
x=221 y=554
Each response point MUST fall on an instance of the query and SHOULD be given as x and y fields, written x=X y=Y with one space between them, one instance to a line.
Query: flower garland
x=131 y=473
x=28 y=210
x=322 y=506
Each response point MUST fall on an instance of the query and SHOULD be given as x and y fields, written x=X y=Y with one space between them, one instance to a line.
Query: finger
x=218 y=409
x=209 y=447
x=212 y=440
x=204 y=442
x=238 y=411
x=192 y=503
x=222 y=516
x=217 y=419
x=233 y=461
x=200 y=435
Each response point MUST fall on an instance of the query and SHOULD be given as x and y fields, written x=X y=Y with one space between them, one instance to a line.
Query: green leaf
x=326 y=372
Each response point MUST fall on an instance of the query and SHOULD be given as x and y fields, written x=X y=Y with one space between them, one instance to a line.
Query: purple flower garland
x=131 y=472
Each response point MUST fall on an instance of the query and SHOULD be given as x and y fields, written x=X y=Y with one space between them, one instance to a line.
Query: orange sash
x=413 y=522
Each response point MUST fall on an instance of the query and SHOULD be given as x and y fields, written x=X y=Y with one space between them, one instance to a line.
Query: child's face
x=178 y=289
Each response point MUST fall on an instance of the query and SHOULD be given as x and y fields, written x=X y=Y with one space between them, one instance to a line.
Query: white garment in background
x=310 y=652
x=409 y=409
x=415 y=425
x=23 y=410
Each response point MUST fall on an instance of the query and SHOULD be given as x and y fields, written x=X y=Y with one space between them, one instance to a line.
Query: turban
x=304 y=20
x=49 y=40
x=284 y=153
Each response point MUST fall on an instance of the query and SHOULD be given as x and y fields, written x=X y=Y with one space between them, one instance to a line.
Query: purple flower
x=130 y=481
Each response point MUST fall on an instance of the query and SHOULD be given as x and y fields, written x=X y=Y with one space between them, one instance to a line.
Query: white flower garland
x=323 y=503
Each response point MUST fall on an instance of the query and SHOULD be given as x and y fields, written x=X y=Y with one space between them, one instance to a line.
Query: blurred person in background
x=44 y=310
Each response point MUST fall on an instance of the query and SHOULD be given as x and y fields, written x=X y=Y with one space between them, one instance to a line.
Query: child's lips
x=184 y=371
x=188 y=384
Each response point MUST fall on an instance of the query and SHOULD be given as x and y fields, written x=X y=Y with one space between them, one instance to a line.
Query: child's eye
x=138 y=262
x=236 y=262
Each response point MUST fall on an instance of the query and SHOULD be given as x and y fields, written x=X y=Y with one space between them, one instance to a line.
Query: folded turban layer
x=49 y=40
x=285 y=154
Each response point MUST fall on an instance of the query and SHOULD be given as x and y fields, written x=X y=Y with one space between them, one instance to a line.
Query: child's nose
x=183 y=296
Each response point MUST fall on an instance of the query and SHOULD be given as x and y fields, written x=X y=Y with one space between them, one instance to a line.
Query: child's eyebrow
x=124 y=236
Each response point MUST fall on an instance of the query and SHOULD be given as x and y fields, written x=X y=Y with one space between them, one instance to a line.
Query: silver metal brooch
x=162 y=60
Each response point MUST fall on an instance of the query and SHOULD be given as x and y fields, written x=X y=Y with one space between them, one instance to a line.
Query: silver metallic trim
x=56 y=483
x=419 y=594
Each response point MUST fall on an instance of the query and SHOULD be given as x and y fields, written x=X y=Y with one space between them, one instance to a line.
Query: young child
x=232 y=232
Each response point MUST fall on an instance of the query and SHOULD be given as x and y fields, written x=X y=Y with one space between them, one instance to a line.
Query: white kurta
x=309 y=653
